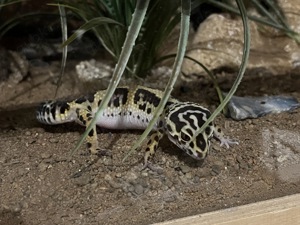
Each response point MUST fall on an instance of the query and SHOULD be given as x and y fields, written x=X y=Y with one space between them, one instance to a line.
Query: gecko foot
x=227 y=142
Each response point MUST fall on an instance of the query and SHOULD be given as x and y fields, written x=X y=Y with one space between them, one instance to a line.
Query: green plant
x=8 y=2
x=135 y=26
x=133 y=31
x=242 y=68
x=19 y=17
x=109 y=20
x=182 y=44
x=133 y=37
x=10 y=23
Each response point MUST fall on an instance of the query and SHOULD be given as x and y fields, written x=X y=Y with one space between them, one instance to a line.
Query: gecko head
x=182 y=121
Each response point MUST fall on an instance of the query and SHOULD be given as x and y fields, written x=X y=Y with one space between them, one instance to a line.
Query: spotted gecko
x=133 y=108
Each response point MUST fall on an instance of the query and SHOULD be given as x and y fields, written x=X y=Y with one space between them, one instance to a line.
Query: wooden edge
x=278 y=211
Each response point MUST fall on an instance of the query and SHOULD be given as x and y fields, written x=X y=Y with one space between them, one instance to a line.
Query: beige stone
x=218 y=43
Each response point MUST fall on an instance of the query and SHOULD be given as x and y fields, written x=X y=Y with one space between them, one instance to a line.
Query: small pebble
x=203 y=172
x=114 y=184
x=17 y=208
x=145 y=174
x=22 y=171
x=196 y=180
x=152 y=193
x=170 y=198
x=130 y=176
x=220 y=164
x=188 y=175
x=42 y=167
x=159 y=170
x=242 y=162
x=169 y=183
x=165 y=188
x=45 y=155
x=185 y=169
x=183 y=179
x=130 y=189
x=118 y=175
x=53 y=140
x=3 y=160
x=82 y=180
x=28 y=133
x=31 y=141
x=216 y=170
x=217 y=148
x=143 y=182
x=107 y=177
x=107 y=161
x=138 y=189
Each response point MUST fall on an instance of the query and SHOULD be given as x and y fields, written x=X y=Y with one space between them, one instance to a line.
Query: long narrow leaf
x=241 y=70
x=88 y=26
x=182 y=43
x=8 y=24
x=209 y=73
x=280 y=15
x=9 y=3
x=135 y=26
x=263 y=10
x=64 y=31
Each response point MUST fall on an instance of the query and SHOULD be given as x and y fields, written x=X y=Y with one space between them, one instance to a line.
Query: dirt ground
x=40 y=183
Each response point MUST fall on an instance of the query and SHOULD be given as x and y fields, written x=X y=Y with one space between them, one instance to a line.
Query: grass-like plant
x=10 y=23
x=132 y=36
x=110 y=19
x=19 y=17
x=246 y=51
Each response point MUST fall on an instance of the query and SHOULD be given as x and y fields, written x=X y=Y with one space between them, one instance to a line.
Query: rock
x=203 y=172
x=183 y=179
x=188 y=175
x=131 y=176
x=82 y=180
x=220 y=164
x=19 y=66
x=43 y=166
x=138 y=189
x=28 y=133
x=243 y=164
x=4 y=71
x=53 y=140
x=14 y=66
x=216 y=169
x=218 y=43
x=107 y=177
x=185 y=169
x=93 y=70
x=169 y=196
x=152 y=193
x=46 y=155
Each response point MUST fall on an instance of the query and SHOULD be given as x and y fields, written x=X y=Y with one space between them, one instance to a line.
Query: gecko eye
x=184 y=136
x=201 y=142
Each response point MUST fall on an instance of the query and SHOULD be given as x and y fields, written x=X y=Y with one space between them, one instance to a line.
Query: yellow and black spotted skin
x=132 y=108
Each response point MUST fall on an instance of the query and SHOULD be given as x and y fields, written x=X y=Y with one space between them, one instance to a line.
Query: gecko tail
x=54 y=112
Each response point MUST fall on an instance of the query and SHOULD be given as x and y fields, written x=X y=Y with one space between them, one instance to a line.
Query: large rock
x=218 y=43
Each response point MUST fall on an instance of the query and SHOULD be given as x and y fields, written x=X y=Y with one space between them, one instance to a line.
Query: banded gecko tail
x=55 y=112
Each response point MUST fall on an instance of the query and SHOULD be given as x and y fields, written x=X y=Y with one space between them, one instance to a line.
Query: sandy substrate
x=40 y=183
